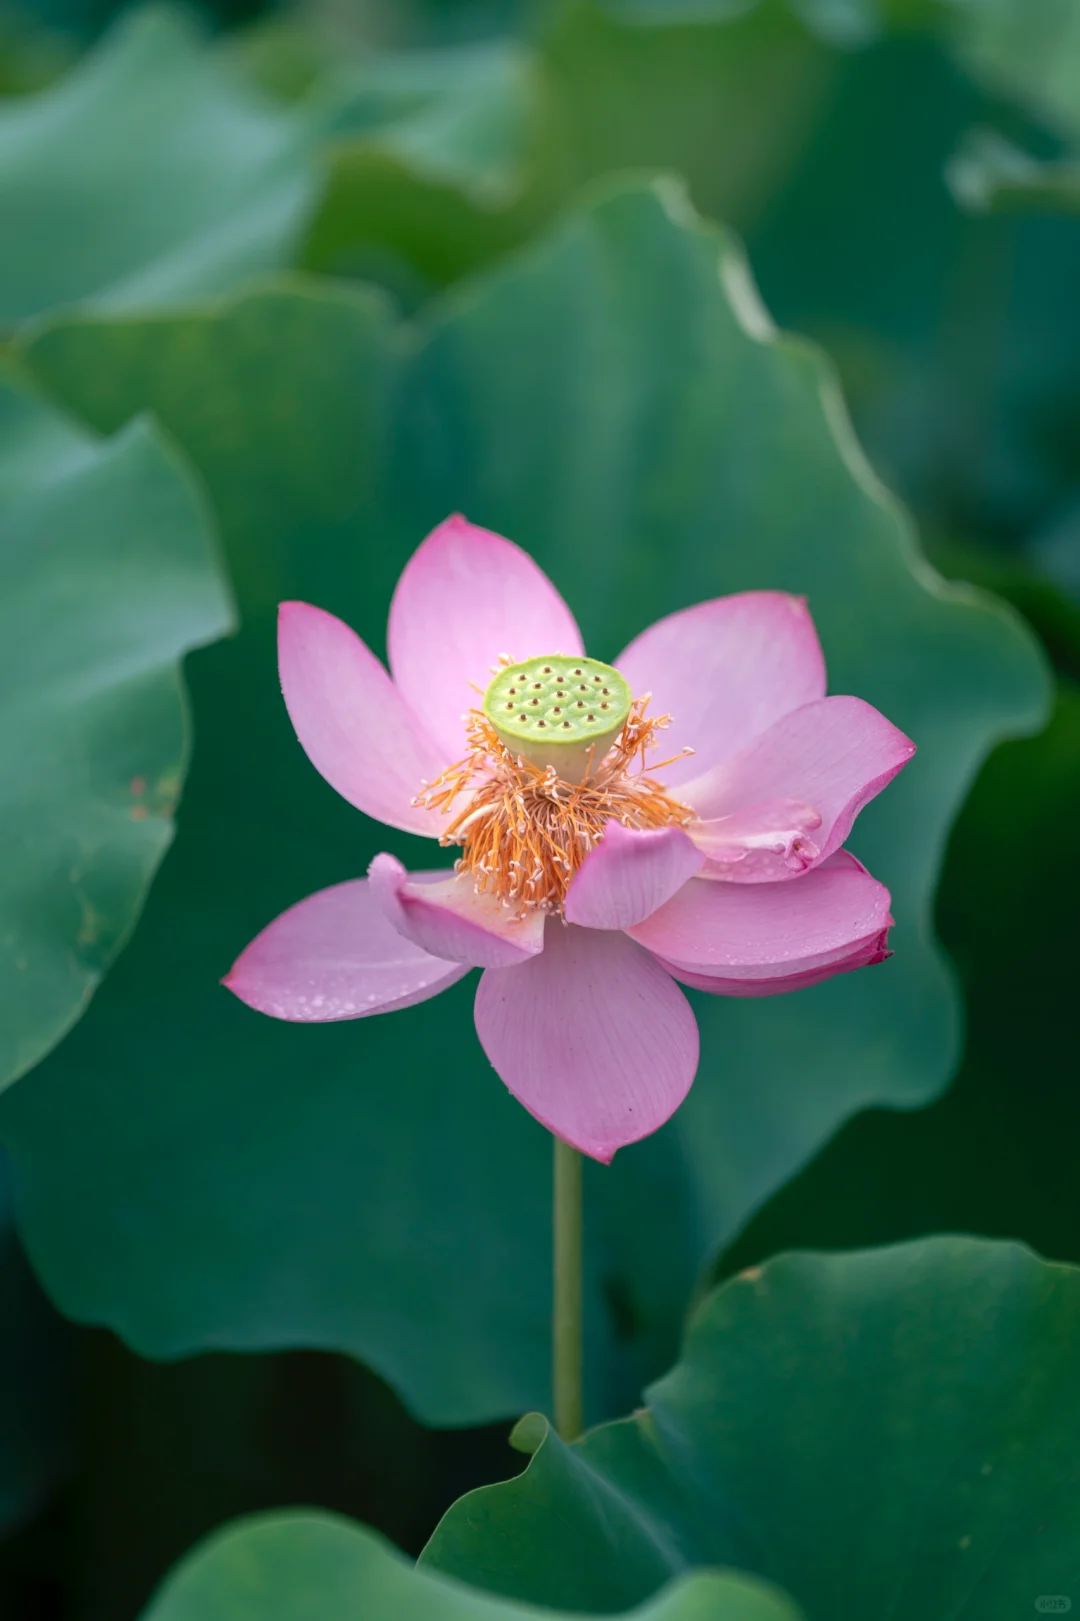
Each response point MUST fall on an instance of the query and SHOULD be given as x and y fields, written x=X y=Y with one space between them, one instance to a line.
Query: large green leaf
x=890 y=1433
x=35 y=1378
x=107 y=577
x=314 y=1567
x=148 y=173
x=618 y=403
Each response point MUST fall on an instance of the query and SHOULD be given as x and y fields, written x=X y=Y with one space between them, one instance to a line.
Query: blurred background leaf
x=308 y=1567
x=150 y=172
x=1029 y=49
x=958 y=338
x=428 y=172
x=458 y=116
x=989 y=174
x=30 y=56
x=650 y=432
x=107 y=578
x=887 y=1433
x=726 y=106
x=1055 y=552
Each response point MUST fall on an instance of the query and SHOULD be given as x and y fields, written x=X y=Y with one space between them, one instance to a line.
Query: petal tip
x=458 y=527
x=385 y=863
x=593 y=1038
x=294 y=618
x=232 y=982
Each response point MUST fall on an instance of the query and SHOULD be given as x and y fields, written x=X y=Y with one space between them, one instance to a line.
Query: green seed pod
x=558 y=711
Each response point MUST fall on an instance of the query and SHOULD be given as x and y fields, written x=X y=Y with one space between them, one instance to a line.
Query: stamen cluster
x=524 y=831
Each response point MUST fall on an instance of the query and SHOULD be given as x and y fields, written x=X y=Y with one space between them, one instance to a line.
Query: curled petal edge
x=443 y=915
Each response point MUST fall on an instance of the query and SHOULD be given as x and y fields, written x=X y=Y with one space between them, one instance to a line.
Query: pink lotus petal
x=335 y=956
x=769 y=931
x=466 y=597
x=760 y=844
x=443 y=914
x=871 y=951
x=593 y=1037
x=353 y=724
x=629 y=874
x=835 y=755
x=725 y=670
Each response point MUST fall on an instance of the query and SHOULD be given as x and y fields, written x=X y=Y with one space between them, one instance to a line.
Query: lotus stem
x=567 y=1315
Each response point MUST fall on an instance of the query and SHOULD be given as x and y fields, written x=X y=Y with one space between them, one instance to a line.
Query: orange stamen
x=524 y=832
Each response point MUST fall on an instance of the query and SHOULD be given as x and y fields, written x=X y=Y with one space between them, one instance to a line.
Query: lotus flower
x=678 y=816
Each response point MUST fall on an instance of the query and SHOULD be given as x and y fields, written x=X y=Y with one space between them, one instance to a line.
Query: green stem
x=566 y=1340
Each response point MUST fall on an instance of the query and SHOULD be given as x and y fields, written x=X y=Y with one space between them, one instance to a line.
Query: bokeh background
x=903 y=174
